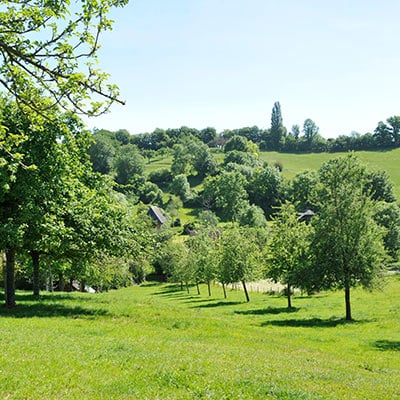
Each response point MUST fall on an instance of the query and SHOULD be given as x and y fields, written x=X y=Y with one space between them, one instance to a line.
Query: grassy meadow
x=156 y=342
x=388 y=161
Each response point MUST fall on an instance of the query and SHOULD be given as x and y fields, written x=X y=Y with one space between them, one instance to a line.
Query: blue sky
x=223 y=63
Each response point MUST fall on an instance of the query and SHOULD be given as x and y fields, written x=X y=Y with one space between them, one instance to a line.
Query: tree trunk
x=198 y=288
x=245 y=291
x=289 y=298
x=61 y=282
x=82 y=288
x=181 y=285
x=347 y=300
x=224 y=289
x=35 y=264
x=187 y=287
x=9 y=279
x=209 y=287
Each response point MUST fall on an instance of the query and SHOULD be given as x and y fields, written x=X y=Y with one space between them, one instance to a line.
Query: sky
x=224 y=63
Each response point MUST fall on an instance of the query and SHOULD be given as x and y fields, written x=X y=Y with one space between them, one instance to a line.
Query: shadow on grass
x=46 y=310
x=309 y=323
x=219 y=304
x=387 y=345
x=269 y=310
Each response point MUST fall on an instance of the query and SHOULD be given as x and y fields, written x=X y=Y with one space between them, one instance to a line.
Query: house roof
x=156 y=214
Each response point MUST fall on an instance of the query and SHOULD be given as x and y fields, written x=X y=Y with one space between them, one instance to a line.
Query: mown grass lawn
x=156 y=342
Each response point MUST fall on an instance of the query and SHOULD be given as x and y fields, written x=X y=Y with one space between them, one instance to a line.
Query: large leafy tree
x=348 y=245
x=226 y=194
x=266 y=188
x=50 y=48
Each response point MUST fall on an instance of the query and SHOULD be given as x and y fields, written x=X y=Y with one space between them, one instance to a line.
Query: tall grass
x=156 y=342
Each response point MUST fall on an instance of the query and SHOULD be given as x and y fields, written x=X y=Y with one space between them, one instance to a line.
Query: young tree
x=239 y=259
x=288 y=249
x=348 y=246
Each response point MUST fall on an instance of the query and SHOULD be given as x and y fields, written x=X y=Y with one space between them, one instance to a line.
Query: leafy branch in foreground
x=50 y=49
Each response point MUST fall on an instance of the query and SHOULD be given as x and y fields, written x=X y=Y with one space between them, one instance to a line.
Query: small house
x=156 y=214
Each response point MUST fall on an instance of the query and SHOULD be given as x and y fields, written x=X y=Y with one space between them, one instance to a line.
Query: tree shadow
x=47 y=310
x=386 y=345
x=269 y=310
x=219 y=304
x=309 y=323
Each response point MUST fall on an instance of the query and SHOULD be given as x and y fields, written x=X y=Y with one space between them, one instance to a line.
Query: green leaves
x=49 y=49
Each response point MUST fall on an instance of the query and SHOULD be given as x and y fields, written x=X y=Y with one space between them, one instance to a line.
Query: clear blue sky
x=223 y=63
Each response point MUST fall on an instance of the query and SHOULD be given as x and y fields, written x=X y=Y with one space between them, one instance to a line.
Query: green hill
x=388 y=161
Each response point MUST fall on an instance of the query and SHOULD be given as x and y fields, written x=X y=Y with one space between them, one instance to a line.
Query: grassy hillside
x=388 y=161
x=155 y=342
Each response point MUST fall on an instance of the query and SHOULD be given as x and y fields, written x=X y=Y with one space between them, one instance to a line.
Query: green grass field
x=156 y=342
x=388 y=161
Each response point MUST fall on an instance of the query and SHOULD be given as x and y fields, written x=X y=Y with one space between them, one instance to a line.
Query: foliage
x=288 y=249
x=225 y=194
x=348 y=246
x=180 y=187
x=236 y=142
x=128 y=163
x=278 y=131
x=239 y=258
x=252 y=215
x=303 y=190
x=266 y=188
x=387 y=215
x=50 y=49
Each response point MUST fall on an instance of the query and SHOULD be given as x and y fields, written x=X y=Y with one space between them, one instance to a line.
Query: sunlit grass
x=376 y=160
x=156 y=342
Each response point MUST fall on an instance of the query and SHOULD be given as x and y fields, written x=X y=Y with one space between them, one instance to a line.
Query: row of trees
x=54 y=209
x=341 y=248
x=304 y=138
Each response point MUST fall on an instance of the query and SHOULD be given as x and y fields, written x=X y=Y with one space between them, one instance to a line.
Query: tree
x=50 y=49
x=201 y=257
x=347 y=245
x=266 y=188
x=128 y=163
x=180 y=186
x=383 y=135
x=239 y=259
x=236 y=142
x=394 y=123
x=310 y=131
x=225 y=194
x=288 y=249
x=102 y=152
x=303 y=190
x=277 y=131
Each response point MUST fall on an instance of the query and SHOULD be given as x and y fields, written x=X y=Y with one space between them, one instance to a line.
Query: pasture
x=294 y=163
x=156 y=342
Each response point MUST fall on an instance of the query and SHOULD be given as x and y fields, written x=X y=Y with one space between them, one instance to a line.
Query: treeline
x=300 y=138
